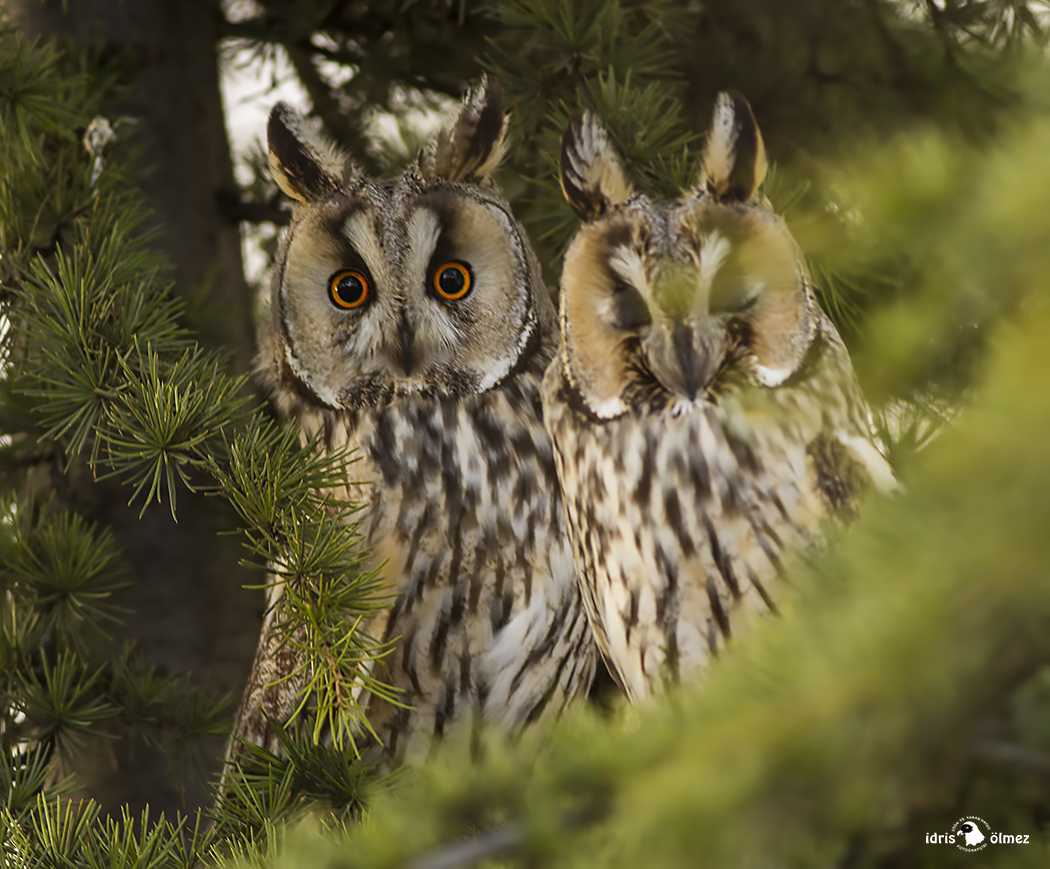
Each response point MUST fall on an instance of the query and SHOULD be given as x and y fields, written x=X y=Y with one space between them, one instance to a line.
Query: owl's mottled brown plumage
x=703 y=409
x=409 y=322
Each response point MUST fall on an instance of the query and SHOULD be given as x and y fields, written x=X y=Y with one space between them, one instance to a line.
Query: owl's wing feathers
x=274 y=687
x=846 y=457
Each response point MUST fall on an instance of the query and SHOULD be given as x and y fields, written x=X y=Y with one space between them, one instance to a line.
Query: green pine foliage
x=100 y=376
x=905 y=684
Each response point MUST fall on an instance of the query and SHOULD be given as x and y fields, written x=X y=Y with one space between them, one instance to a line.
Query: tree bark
x=189 y=610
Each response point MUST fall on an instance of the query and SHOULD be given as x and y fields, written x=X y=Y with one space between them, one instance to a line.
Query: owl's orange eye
x=348 y=289
x=452 y=280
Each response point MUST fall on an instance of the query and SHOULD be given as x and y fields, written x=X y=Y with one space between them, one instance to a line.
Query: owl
x=703 y=409
x=409 y=323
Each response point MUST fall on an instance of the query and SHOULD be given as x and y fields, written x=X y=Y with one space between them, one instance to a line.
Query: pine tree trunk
x=189 y=609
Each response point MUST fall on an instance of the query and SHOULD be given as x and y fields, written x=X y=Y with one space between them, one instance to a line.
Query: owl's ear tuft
x=590 y=170
x=472 y=146
x=735 y=157
x=303 y=162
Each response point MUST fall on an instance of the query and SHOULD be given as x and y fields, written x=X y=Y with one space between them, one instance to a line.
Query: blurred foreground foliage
x=904 y=687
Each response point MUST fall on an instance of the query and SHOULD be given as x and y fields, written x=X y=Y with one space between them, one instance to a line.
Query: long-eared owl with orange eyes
x=704 y=412
x=409 y=322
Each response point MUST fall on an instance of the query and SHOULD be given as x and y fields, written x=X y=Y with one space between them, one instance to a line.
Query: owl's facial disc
x=680 y=293
x=687 y=341
x=419 y=285
x=663 y=296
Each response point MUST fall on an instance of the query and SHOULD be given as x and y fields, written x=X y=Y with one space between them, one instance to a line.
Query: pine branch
x=485 y=846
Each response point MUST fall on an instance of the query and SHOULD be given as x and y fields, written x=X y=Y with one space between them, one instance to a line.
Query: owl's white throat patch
x=610 y=408
x=772 y=376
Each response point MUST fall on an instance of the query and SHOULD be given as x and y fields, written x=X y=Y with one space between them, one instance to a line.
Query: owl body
x=703 y=410
x=409 y=323
x=679 y=514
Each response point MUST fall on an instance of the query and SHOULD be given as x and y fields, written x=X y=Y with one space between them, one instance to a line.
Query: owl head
x=423 y=284
x=663 y=300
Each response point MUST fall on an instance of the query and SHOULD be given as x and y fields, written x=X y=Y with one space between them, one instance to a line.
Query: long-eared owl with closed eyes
x=409 y=322
x=704 y=412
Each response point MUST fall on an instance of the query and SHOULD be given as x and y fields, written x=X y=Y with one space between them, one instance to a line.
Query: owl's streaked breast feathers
x=409 y=322
x=703 y=409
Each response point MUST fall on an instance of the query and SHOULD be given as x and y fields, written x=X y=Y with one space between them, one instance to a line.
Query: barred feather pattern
x=680 y=512
x=463 y=510
x=704 y=412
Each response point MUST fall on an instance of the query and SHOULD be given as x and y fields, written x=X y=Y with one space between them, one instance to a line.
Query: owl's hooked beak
x=685 y=355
